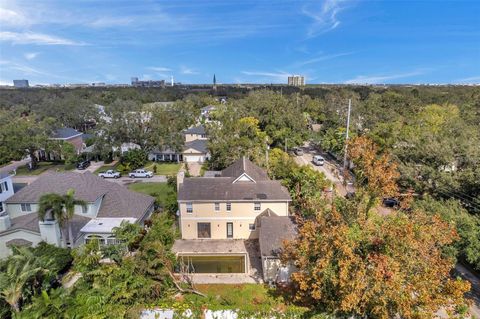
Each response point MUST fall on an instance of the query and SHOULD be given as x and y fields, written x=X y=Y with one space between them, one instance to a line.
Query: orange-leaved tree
x=379 y=267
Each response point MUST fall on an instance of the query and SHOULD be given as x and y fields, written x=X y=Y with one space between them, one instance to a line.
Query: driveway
x=474 y=293
x=14 y=165
x=92 y=168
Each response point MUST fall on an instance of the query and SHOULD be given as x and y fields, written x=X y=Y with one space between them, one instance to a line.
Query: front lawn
x=43 y=167
x=161 y=191
x=163 y=168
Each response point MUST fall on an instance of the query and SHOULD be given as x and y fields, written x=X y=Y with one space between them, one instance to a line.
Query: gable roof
x=273 y=231
x=225 y=188
x=65 y=133
x=198 y=145
x=117 y=201
x=245 y=166
x=200 y=130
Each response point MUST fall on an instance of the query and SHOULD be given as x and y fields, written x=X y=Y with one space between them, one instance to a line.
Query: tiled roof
x=273 y=231
x=223 y=188
x=117 y=201
x=65 y=133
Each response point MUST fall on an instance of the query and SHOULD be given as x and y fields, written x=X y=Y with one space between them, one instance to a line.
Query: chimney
x=180 y=178
x=5 y=222
x=50 y=232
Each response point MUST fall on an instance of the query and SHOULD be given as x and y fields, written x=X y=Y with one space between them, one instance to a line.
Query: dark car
x=83 y=164
x=298 y=151
x=391 y=202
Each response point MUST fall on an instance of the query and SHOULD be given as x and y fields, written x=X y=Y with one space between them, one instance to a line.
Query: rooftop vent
x=262 y=196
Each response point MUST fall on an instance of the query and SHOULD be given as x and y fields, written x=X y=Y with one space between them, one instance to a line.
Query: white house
x=107 y=205
x=6 y=191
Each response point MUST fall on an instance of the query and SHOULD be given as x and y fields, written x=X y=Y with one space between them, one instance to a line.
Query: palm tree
x=61 y=208
x=69 y=202
x=50 y=207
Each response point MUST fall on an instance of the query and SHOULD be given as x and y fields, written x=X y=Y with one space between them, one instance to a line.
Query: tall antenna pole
x=346 y=138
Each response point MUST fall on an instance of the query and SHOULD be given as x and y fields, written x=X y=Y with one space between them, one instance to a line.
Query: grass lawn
x=43 y=167
x=255 y=298
x=158 y=190
x=164 y=168
x=106 y=167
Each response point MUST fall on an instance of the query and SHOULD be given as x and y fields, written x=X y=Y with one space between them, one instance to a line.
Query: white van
x=318 y=160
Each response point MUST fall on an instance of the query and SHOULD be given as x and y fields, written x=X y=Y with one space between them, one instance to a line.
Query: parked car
x=318 y=160
x=110 y=174
x=391 y=202
x=83 y=165
x=140 y=173
x=298 y=151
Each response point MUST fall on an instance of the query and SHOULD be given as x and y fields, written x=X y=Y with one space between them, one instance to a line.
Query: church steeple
x=214 y=82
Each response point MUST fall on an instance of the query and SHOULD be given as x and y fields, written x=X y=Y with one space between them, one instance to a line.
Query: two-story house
x=6 y=191
x=194 y=148
x=219 y=214
x=107 y=205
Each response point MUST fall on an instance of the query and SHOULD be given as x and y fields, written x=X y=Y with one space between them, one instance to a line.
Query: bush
x=155 y=168
x=134 y=158
x=61 y=257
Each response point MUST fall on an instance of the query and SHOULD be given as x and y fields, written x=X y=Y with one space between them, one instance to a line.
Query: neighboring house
x=194 y=149
x=6 y=191
x=218 y=215
x=108 y=204
x=205 y=112
x=68 y=135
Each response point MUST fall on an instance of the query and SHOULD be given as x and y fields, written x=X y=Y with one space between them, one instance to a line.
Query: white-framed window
x=217 y=207
x=3 y=187
x=251 y=227
x=229 y=207
x=26 y=207
x=189 y=207
x=1 y=207
x=257 y=206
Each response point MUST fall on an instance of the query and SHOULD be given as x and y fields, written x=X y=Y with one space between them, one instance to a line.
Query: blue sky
x=328 y=41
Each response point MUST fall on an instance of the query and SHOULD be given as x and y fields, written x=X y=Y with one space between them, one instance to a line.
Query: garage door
x=193 y=158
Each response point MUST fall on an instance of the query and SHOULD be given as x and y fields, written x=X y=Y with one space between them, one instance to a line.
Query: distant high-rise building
x=147 y=83
x=134 y=80
x=20 y=83
x=296 y=80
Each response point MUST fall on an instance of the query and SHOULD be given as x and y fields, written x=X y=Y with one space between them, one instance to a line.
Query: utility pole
x=285 y=145
x=346 y=139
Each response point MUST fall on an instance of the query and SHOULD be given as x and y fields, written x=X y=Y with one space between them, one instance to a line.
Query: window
x=229 y=207
x=1 y=207
x=217 y=207
x=203 y=230
x=251 y=227
x=3 y=187
x=229 y=230
x=26 y=207
x=189 y=208
x=6 y=186
x=257 y=206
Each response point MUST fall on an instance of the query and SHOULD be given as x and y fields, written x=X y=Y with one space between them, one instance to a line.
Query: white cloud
x=109 y=22
x=379 y=79
x=159 y=69
x=322 y=58
x=324 y=18
x=9 y=17
x=31 y=55
x=470 y=80
x=35 y=38
x=187 y=70
x=278 y=76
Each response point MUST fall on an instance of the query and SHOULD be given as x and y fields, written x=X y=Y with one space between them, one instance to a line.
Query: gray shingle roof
x=118 y=201
x=198 y=145
x=274 y=230
x=65 y=133
x=200 y=129
x=244 y=165
x=224 y=189
x=18 y=242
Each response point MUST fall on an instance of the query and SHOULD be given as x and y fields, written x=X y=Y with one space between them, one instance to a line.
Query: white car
x=140 y=173
x=110 y=174
x=318 y=160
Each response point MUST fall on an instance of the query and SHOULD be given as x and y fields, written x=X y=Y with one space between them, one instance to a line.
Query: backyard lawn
x=160 y=191
x=254 y=298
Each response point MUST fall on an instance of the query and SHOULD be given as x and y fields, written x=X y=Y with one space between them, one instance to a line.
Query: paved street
x=14 y=165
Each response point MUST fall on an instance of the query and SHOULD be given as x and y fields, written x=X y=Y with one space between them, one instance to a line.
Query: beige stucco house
x=220 y=217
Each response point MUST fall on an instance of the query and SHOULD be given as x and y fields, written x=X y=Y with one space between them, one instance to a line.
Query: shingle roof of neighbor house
x=65 y=133
x=226 y=187
x=198 y=145
x=200 y=129
x=117 y=200
x=274 y=230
